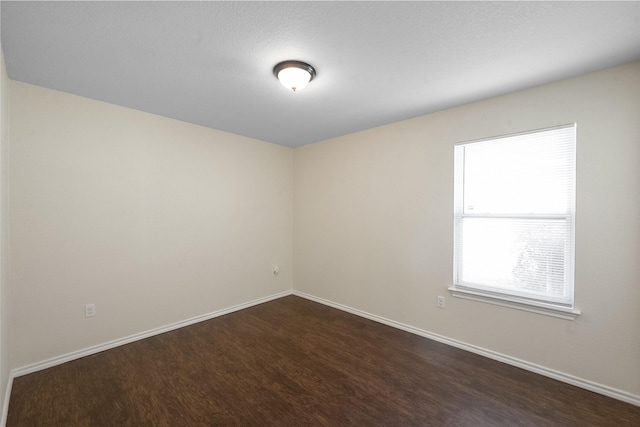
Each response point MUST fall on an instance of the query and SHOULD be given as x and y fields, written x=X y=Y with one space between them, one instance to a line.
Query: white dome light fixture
x=294 y=75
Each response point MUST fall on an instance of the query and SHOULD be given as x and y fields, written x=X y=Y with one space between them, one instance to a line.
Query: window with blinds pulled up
x=514 y=208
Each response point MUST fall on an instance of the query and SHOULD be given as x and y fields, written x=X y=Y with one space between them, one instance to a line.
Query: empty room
x=320 y=213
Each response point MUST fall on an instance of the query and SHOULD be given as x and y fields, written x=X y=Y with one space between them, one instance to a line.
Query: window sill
x=516 y=303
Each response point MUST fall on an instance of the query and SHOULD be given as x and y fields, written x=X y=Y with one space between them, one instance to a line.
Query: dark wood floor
x=292 y=362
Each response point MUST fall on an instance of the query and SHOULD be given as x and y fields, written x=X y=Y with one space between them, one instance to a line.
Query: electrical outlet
x=89 y=310
x=441 y=302
x=275 y=270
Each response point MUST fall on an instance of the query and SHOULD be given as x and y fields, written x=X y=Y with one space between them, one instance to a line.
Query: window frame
x=556 y=307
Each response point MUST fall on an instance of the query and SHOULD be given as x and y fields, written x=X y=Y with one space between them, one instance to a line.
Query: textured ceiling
x=210 y=63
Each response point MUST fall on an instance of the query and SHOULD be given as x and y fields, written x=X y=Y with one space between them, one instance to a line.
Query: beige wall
x=157 y=221
x=5 y=362
x=373 y=226
x=153 y=220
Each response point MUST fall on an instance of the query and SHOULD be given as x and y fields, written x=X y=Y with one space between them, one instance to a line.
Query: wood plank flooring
x=293 y=362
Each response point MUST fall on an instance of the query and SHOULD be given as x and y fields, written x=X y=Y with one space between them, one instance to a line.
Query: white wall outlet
x=89 y=310
x=275 y=270
x=441 y=302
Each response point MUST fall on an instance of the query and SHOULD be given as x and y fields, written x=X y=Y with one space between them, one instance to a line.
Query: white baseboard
x=551 y=373
x=35 y=367
x=567 y=378
x=5 y=406
x=58 y=360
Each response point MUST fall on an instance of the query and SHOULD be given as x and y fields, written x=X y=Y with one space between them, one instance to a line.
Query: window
x=514 y=209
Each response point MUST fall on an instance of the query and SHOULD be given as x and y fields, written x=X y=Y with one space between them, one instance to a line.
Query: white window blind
x=514 y=216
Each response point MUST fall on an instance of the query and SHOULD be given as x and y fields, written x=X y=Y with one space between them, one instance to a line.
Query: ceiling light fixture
x=294 y=75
